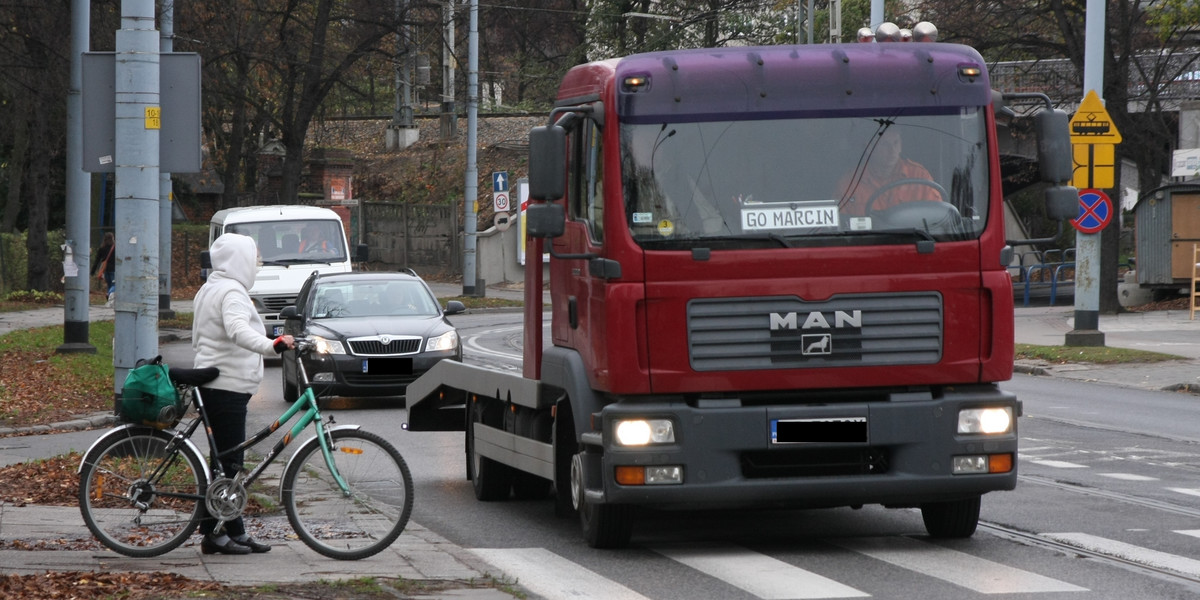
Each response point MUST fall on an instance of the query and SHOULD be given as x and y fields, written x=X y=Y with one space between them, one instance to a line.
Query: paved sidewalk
x=419 y=554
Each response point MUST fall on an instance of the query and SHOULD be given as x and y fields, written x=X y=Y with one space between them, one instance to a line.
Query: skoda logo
x=385 y=339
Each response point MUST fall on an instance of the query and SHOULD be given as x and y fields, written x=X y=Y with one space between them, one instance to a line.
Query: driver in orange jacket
x=884 y=165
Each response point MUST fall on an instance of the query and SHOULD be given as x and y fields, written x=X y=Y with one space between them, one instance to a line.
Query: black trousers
x=227 y=416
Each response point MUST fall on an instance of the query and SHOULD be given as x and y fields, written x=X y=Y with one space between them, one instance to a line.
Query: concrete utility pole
x=79 y=196
x=1087 y=245
x=136 y=163
x=471 y=194
x=165 y=191
x=401 y=132
x=449 y=121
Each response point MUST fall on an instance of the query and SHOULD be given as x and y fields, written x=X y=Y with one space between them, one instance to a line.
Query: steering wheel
x=870 y=204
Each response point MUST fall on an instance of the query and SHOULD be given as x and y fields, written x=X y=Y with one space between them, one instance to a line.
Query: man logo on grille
x=821 y=343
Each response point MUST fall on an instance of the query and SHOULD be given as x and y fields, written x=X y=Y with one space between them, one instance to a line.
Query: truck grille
x=815 y=462
x=375 y=346
x=785 y=332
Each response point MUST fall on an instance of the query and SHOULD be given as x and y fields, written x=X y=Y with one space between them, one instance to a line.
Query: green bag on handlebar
x=149 y=397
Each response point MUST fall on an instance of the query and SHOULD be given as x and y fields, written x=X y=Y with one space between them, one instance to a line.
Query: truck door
x=578 y=306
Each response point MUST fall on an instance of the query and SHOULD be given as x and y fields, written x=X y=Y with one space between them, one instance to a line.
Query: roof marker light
x=635 y=83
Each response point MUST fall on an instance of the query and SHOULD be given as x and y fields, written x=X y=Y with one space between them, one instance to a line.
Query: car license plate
x=276 y=330
x=834 y=430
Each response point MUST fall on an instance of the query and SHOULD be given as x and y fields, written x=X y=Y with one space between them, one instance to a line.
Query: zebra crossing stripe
x=1058 y=464
x=1189 y=492
x=552 y=576
x=1136 y=554
x=1128 y=477
x=958 y=568
x=755 y=573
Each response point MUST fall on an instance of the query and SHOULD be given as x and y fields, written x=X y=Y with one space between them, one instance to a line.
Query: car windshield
x=294 y=242
x=372 y=298
x=806 y=182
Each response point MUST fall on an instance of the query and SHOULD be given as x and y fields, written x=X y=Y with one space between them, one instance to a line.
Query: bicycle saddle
x=196 y=377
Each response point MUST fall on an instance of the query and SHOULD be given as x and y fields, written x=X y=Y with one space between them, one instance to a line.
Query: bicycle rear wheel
x=355 y=525
x=138 y=494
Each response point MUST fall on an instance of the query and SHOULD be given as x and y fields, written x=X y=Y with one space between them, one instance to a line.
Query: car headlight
x=446 y=341
x=641 y=432
x=985 y=420
x=327 y=346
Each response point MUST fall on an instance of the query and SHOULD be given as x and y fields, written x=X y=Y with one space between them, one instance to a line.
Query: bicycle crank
x=226 y=499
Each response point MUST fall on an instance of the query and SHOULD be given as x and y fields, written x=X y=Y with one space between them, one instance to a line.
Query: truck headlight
x=446 y=341
x=327 y=346
x=989 y=421
x=641 y=432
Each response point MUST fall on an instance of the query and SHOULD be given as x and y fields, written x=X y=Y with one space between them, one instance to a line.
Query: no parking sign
x=1095 y=211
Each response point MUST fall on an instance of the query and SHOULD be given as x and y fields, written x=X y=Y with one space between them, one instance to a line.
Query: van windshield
x=296 y=242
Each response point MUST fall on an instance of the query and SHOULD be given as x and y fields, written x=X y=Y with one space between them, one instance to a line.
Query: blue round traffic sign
x=1095 y=211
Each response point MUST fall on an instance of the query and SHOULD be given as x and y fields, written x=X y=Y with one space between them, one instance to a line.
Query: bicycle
x=142 y=490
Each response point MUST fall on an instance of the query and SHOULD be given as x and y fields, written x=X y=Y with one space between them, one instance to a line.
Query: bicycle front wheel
x=139 y=494
x=361 y=521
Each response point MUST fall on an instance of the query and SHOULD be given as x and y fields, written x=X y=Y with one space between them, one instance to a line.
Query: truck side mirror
x=545 y=220
x=1062 y=203
x=547 y=162
x=1054 y=145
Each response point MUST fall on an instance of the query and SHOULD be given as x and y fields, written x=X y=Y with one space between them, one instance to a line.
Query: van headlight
x=446 y=341
x=987 y=421
x=642 y=432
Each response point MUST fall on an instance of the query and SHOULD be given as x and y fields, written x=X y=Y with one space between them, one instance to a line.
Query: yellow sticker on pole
x=153 y=117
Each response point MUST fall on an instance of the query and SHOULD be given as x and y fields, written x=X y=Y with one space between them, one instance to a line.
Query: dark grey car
x=376 y=332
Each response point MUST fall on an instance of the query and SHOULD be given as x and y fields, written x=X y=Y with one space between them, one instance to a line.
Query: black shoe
x=254 y=546
x=211 y=546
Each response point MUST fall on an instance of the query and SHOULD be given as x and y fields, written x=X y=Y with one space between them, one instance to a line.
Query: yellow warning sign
x=1091 y=123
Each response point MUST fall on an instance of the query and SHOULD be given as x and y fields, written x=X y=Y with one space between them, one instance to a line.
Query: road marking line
x=1128 y=476
x=961 y=569
x=1191 y=532
x=756 y=573
x=1136 y=554
x=1190 y=492
x=551 y=576
x=1058 y=464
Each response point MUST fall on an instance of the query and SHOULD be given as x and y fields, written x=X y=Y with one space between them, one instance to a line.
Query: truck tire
x=492 y=481
x=565 y=449
x=954 y=519
x=604 y=525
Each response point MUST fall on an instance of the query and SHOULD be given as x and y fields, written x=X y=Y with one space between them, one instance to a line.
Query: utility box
x=1167 y=226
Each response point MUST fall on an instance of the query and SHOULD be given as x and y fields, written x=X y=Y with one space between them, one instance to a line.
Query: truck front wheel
x=604 y=525
x=955 y=519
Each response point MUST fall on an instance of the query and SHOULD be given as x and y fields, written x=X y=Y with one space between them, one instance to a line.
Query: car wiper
x=295 y=261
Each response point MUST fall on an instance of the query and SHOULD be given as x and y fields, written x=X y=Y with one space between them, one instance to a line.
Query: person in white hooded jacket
x=227 y=333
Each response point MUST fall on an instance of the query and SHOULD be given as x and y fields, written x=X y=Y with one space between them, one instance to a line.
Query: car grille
x=394 y=346
x=787 y=332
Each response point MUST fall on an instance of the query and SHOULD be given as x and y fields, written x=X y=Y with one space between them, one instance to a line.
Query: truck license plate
x=837 y=430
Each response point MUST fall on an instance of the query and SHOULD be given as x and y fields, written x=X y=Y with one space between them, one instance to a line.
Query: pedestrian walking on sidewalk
x=227 y=333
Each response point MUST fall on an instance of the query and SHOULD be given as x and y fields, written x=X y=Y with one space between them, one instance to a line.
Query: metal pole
x=79 y=198
x=471 y=195
x=449 y=120
x=136 y=164
x=165 y=191
x=1087 y=245
x=876 y=13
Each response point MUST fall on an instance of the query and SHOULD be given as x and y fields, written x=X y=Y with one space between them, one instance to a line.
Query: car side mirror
x=289 y=312
x=454 y=307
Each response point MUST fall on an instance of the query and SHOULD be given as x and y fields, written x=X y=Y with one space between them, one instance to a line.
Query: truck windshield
x=295 y=242
x=806 y=182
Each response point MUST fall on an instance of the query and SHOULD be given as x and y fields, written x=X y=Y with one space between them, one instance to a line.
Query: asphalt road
x=1108 y=507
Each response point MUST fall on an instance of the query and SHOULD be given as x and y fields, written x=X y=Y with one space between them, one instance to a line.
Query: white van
x=294 y=241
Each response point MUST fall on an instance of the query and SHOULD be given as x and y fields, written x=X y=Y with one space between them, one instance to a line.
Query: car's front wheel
x=291 y=391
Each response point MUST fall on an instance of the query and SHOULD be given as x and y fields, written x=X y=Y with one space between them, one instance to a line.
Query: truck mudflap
x=437 y=400
x=894 y=453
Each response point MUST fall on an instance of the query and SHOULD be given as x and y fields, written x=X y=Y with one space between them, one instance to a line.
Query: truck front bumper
x=902 y=451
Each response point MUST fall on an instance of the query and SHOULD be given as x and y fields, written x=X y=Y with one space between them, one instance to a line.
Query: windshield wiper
x=296 y=261
x=925 y=239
